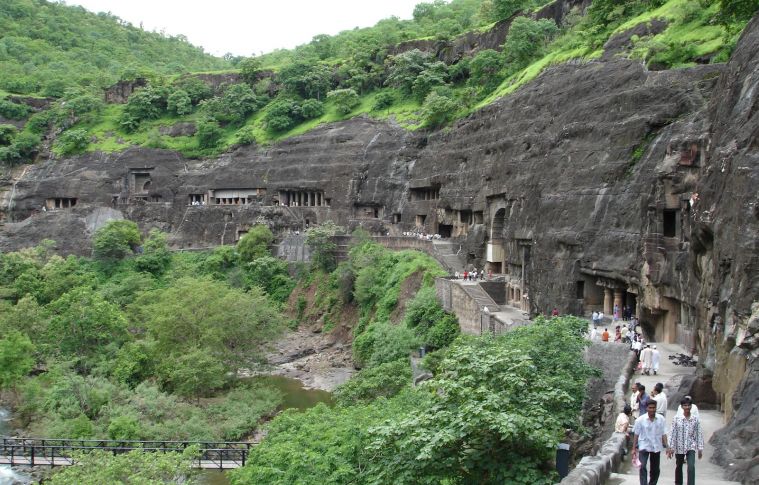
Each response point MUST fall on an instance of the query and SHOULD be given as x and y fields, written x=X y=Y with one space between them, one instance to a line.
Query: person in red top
x=555 y=312
x=605 y=335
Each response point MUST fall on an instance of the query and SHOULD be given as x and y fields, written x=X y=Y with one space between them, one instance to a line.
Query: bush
x=386 y=380
x=282 y=115
x=13 y=111
x=438 y=109
x=383 y=100
x=209 y=134
x=312 y=108
x=526 y=40
x=7 y=133
x=73 y=141
x=245 y=136
x=345 y=100
x=116 y=240
x=255 y=243
x=179 y=103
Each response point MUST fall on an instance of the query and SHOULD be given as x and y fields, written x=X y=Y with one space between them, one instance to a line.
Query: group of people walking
x=644 y=418
x=470 y=275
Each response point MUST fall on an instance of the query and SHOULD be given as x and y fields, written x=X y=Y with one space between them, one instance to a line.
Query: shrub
x=345 y=100
x=383 y=100
x=13 y=111
x=384 y=380
x=255 y=243
x=179 y=103
x=312 y=108
x=7 y=133
x=73 y=141
x=209 y=134
x=438 y=109
x=116 y=240
x=282 y=115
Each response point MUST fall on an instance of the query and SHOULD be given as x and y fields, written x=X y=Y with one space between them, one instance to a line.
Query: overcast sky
x=253 y=26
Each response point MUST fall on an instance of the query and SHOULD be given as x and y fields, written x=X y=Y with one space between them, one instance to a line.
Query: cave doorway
x=445 y=230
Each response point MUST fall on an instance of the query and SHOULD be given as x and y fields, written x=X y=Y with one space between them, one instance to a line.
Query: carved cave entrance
x=495 y=251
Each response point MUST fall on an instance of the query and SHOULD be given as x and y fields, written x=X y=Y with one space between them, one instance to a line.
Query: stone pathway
x=707 y=473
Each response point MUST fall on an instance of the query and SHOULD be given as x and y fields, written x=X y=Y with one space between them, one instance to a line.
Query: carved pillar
x=608 y=302
x=618 y=301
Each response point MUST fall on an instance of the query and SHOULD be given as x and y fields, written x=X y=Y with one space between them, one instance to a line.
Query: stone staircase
x=480 y=296
x=445 y=252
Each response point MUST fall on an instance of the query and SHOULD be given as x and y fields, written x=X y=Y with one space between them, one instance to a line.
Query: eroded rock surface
x=599 y=183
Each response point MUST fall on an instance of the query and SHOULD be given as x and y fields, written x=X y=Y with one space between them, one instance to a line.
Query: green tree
x=312 y=108
x=73 y=141
x=404 y=68
x=484 y=68
x=735 y=11
x=383 y=100
x=527 y=38
x=232 y=325
x=282 y=115
x=255 y=243
x=194 y=373
x=236 y=104
x=13 y=111
x=16 y=358
x=209 y=134
x=155 y=257
x=434 y=75
x=116 y=240
x=179 y=103
x=272 y=275
x=250 y=67
x=7 y=133
x=345 y=100
x=437 y=109
x=495 y=10
x=135 y=467
x=82 y=321
x=320 y=240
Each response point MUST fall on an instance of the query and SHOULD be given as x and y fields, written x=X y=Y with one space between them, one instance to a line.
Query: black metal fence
x=59 y=452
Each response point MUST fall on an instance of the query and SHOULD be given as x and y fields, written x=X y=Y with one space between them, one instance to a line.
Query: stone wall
x=455 y=300
x=595 y=469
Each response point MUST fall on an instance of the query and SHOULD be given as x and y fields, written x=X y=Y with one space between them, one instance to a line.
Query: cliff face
x=598 y=184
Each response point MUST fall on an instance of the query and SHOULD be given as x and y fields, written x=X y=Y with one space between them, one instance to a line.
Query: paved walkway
x=707 y=473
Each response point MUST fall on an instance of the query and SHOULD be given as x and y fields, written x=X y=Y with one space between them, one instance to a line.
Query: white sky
x=250 y=27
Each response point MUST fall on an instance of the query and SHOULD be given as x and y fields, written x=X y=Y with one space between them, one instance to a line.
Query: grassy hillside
x=286 y=93
x=47 y=47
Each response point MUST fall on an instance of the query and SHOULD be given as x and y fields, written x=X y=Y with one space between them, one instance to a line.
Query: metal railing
x=60 y=452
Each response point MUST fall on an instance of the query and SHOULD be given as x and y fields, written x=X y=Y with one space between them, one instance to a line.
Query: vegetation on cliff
x=390 y=70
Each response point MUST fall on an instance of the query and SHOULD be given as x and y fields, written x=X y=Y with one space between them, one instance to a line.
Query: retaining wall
x=596 y=469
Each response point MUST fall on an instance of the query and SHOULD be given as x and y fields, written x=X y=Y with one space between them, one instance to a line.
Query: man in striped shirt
x=686 y=438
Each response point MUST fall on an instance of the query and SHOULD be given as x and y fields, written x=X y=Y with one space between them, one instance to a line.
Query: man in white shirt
x=655 y=358
x=660 y=398
x=594 y=317
x=645 y=357
x=649 y=441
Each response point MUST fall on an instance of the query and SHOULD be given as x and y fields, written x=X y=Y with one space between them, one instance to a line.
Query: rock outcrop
x=599 y=184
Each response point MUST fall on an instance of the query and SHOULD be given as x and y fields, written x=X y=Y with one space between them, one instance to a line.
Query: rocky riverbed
x=319 y=360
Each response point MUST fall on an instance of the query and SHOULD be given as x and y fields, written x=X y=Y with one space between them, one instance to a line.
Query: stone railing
x=596 y=469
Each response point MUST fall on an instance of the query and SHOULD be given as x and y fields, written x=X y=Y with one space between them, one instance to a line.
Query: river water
x=7 y=475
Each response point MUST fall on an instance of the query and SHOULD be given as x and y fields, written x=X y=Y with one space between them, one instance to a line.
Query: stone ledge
x=595 y=470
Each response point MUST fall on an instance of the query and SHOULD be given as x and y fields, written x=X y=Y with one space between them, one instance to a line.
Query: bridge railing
x=56 y=452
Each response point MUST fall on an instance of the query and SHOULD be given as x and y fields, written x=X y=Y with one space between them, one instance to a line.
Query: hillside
x=448 y=61
x=48 y=47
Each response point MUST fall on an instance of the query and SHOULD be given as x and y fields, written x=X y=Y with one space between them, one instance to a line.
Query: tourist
x=687 y=438
x=622 y=425
x=649 y=440
x=600 y=318
x=646 y=358
x=456 y=275
x=615 y=315
x=625 y=334
x=555 y=312
x=643 y=399
x=594 y=318
x=655 y=359
x=466 y=275
x=661 y=399
x=617 y=335
x=473 y=275
x=693 y=408
x=634 y=401
x=605 y=335
x=593 y=334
